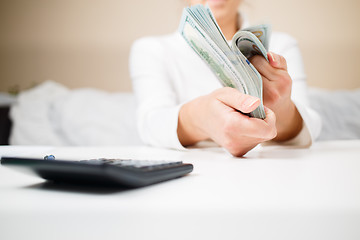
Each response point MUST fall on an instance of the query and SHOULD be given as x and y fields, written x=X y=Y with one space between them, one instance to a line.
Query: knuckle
x=285 y=78
x=276 y=96
x=273 y=95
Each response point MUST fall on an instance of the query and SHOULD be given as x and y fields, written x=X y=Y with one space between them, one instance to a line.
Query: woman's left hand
x=277 y=94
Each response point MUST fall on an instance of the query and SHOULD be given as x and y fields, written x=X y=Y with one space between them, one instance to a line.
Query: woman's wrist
x=189 y=133
x=289 y=123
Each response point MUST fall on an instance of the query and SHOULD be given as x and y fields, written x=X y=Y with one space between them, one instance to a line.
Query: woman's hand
x=216 y=116
x=277 y=91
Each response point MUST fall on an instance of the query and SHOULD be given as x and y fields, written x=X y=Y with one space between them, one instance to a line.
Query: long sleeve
x=157 y=101
x=167 y=73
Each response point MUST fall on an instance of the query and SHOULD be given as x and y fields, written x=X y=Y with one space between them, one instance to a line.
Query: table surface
x=273 y=192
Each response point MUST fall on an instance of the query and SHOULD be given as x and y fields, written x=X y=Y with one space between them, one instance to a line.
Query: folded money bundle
x=229 y=62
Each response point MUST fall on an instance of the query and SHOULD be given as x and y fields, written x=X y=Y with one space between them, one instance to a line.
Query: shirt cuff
x=310 y=130
x=159 y=128
x=303 y=139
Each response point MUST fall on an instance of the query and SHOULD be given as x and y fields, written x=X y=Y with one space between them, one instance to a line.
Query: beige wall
x=85 y=43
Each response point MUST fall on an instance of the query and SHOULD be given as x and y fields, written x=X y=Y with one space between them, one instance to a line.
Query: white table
x=272 y=193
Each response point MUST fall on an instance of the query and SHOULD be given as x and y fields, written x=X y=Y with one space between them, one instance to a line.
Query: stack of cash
x=229 y=62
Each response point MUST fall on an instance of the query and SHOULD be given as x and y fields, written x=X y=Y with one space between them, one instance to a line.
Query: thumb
x=237 y=100
x=277 y=61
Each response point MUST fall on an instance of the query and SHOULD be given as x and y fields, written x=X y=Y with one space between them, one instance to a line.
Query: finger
x=237 y=100
x=256 y=128
x=263 y=67
x=265 y=129
x=270 y=117
x=277 y=61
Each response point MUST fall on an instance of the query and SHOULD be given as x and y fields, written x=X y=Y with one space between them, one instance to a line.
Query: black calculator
x=115 y=172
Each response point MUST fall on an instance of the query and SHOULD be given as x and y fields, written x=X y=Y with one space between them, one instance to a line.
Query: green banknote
x=229 y=62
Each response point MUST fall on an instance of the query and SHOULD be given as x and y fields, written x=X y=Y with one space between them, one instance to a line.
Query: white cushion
x=340 y=112
x=51 y=114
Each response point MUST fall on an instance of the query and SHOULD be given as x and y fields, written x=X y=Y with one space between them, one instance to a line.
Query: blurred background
x=86 y=43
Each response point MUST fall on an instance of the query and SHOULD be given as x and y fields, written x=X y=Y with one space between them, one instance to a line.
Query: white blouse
x=167 y=73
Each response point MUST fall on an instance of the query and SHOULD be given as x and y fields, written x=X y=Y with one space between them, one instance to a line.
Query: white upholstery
x=51 y=114
x=340 y=112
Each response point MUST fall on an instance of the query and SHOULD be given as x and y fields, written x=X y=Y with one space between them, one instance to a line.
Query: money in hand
x=229 y=62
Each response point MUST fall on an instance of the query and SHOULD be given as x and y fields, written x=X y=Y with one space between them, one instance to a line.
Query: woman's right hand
x=216 y=116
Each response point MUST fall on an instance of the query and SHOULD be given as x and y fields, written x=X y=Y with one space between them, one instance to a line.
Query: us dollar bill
x=229 y=62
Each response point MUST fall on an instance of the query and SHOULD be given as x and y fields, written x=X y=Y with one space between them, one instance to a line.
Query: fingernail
x=251 y=101
x=272 y=57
